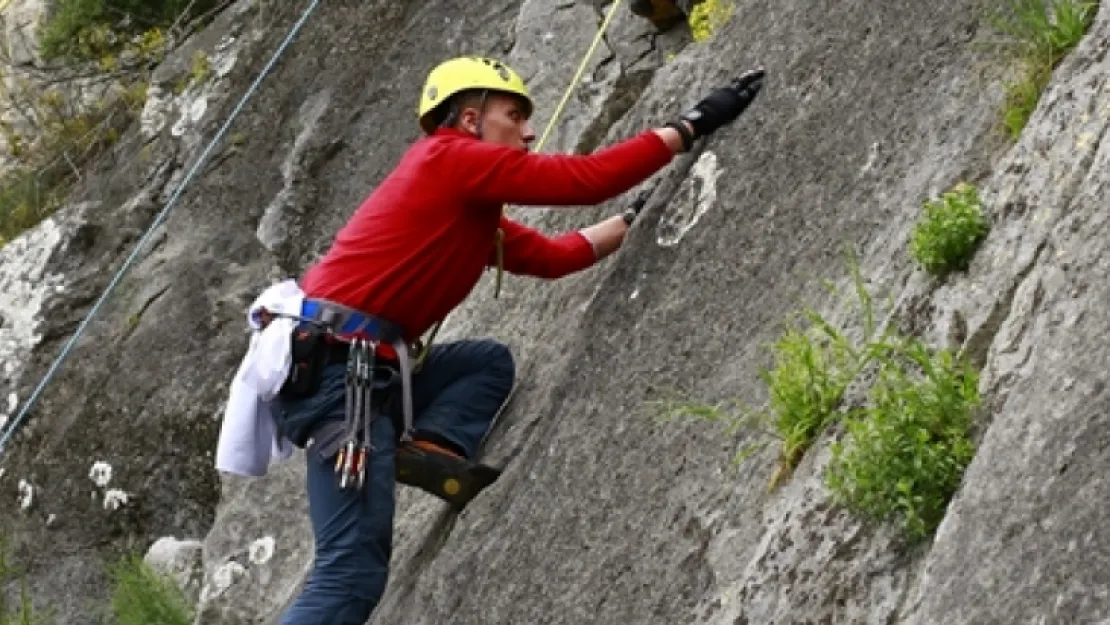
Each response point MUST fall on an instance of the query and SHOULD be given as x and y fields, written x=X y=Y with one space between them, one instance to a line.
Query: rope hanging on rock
x=200 y=162
x=559 y=108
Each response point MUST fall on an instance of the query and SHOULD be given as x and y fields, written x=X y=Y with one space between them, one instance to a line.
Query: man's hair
x=447 y=114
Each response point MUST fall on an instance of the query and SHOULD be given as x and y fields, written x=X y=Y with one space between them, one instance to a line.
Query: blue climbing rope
x=10 y=431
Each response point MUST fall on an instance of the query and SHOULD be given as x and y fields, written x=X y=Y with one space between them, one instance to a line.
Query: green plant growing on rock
x=908 y=440
x=142 y=596
x=47 y=155
x=708 y=16
x=23 y=612
x=1039 y=33
x=906 y=451
x=814 y=363
x=90 y=30
x=69 y=112
x=200 y=69
x=949 y=230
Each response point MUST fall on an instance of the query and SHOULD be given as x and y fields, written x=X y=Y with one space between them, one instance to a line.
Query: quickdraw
x=351 y=461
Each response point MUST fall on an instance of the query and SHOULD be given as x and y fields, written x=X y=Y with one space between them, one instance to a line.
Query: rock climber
x=410 y=254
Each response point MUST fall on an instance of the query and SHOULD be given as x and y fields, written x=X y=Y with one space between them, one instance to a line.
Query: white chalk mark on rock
x=262 y=550
x=692 y=200
x=101 y=473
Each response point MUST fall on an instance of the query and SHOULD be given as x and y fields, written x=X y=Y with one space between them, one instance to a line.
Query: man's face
x=503 y=121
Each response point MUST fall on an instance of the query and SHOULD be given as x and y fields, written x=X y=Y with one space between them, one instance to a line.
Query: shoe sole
x=455 y=481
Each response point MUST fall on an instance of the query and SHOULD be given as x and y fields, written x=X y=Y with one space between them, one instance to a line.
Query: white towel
x=248 y=440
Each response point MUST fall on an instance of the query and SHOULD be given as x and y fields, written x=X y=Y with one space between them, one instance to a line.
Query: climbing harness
x=347 y=325
x=326 y=326
x=200 y=162
x=500 y=237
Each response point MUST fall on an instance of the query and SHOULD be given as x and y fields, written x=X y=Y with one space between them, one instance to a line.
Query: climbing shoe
x=664 y=14
x=442 y=472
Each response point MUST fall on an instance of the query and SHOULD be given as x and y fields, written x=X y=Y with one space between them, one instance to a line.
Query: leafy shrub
x=948 y=231
x=89 y=30
x=814 y=362
x=1040 y=33
x=906 y=451
x=23 y=612
x=50 y=154
x=143 y=596
x=59 y=132
x=907 y=445
x=813 y=367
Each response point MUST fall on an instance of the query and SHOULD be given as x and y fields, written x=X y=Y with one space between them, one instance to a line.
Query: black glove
x=632 y=212
x=721 y=106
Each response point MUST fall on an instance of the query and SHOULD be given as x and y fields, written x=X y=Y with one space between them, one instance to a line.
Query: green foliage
x=814 y=362
x=121 y=39
x=60 y=135
x=813 y=368
x=24 y=202
x=200 y=69
x=906 y=451
x=23 y=612
x=1022 y=96
x=949 y=230
x=907 y=444
x=91 y=30
x=142 y=596
x=708 y=16
x=48 y=156
x=1039 y=33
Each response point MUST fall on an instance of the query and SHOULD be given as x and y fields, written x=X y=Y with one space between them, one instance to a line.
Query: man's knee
x=490 y=356
x=501 y=359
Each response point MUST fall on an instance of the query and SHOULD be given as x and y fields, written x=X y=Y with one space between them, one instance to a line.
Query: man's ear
x=468 y=120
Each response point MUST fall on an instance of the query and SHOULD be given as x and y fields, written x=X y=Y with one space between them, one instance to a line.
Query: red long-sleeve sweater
x=418 y=244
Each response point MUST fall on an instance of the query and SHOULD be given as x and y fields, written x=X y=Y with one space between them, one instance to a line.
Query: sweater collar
x=452 y=132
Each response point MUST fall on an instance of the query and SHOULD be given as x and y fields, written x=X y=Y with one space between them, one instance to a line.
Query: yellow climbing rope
x=577 y=78
x=574 y=81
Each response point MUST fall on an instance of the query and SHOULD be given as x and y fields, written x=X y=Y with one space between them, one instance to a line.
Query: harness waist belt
x=342 y=320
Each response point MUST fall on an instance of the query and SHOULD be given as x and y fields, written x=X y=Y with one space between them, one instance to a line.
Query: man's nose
x=529 y=133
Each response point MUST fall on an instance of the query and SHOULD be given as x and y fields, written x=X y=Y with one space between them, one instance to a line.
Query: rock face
x=603 y=514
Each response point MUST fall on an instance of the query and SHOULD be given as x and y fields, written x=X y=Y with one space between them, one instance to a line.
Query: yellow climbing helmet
x=467 y=72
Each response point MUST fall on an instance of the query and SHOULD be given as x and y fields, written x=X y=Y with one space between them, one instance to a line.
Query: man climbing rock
x=410 y=254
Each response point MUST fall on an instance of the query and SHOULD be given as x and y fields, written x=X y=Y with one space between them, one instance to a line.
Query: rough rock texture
x=1035 y=498
x=603 y=515
x=18 y=23
x=181 y=560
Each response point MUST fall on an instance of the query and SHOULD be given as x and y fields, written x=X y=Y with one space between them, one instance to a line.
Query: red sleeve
x=496 y=174
x=529 y=252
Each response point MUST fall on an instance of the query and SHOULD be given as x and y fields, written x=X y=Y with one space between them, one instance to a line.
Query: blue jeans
x=456 y=395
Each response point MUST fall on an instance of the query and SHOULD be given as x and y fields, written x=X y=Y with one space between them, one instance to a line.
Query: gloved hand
x=721 y=106
x=633 y=211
